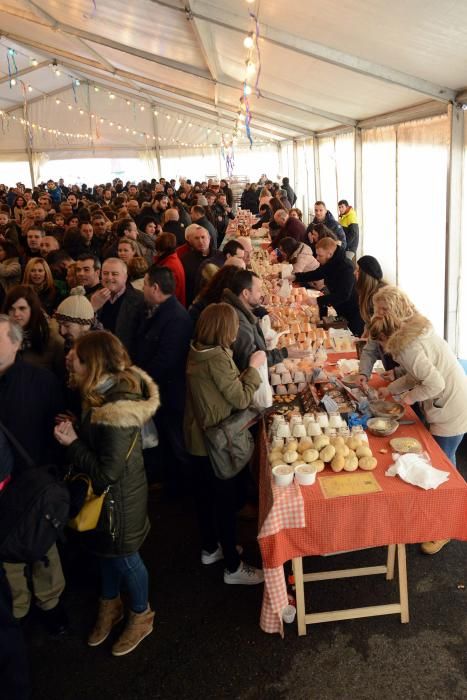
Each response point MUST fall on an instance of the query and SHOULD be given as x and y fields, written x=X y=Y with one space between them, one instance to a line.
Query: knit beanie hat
x=75 y=308
x=371 y=266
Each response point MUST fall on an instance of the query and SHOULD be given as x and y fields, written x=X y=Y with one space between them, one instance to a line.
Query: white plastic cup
x=288 y=614
x=283 y=474
x=305 y=474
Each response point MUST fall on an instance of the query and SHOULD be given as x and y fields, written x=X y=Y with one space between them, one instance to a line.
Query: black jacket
x=163 y=342
x=291 y=196
x=128 y=319
x=335 y=227
x=30 y=398
x=339 y=278
x=222 y=218
x=250 y=200
x=177 y=229
x=191 y=262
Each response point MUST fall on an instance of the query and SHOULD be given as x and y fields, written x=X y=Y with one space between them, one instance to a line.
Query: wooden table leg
x=403 y=590
x=390 y=562
x=297 y=565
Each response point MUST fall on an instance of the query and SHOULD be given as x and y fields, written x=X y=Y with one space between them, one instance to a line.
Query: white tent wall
x=462 y=278
x=305 y=177
x=404 y=173
x=337 y=169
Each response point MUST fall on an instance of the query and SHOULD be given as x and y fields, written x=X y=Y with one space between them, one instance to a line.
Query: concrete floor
x=207 y=642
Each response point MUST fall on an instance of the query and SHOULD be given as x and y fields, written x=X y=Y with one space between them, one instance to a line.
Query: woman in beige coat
x=215 y=389
x=433 y=377
x=299 y=255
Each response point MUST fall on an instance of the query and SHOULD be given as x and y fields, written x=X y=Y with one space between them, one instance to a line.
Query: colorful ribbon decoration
x=245 y=102
x=258 y=52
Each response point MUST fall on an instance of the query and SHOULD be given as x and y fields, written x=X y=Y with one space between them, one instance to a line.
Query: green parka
x=109 y=450
x=215 y=389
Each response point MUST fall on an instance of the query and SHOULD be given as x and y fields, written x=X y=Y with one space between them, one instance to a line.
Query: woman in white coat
x=433 y=377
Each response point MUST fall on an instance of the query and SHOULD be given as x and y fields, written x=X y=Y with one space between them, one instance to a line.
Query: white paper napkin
x=414 y=469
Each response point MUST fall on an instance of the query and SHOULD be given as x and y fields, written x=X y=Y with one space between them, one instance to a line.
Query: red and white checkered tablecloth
x=287 y=510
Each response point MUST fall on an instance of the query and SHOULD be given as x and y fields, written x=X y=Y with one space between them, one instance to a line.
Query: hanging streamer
x=11 y=62
x=246 y=104
x=258 y=52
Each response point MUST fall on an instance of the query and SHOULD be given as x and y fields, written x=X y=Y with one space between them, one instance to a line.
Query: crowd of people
x=129 y=326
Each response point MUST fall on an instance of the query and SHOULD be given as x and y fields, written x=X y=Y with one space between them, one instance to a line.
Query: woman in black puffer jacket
x=118 y=399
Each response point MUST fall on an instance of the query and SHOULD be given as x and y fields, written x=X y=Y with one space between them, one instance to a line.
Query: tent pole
x=359 y=184
x=28 y=138
x=155 y=125
x=453 y=261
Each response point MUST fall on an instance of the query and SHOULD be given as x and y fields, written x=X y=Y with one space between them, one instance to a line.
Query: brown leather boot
x=138 y=627
x=110 y=613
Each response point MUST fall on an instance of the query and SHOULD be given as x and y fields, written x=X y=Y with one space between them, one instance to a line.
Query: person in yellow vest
x=349 y=222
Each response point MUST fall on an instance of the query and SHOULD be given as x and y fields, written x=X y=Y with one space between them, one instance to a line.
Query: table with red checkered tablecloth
x=297 y=521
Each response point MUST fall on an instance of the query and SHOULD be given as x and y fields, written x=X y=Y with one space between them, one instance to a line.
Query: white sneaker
x=245 y=575
x=207 y=558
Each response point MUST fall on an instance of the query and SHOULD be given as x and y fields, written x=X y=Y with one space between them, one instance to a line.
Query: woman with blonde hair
x=215 y=389
x=433 y=377
x=38 y=275
x=118 y=399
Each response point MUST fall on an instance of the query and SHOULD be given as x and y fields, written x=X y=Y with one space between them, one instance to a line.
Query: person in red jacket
x=166 y=244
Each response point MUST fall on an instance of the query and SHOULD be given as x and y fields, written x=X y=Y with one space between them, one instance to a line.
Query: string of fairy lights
x=95 y=121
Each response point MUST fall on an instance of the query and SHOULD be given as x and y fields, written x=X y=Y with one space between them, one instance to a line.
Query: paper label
x=349 y=484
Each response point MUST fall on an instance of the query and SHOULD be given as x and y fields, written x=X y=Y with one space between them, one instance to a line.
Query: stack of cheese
x=341 y=454
x=291 y=376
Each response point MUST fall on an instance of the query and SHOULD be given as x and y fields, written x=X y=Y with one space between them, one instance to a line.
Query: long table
x=297 y=521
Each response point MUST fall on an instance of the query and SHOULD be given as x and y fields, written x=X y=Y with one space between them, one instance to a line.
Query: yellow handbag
x=90 y=512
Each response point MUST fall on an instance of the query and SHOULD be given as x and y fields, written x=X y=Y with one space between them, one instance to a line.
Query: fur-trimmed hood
x=129 y=412
x=411 y=330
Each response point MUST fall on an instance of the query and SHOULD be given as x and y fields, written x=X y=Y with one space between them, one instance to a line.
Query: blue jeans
x=449 y=445
x=129 y=571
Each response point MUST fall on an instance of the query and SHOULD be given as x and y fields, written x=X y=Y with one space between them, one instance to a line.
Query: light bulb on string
x=57 y=101
x=179 y=121
x=12 y=82
x=70 y=107
x=29 y=88
x=128 y=102
x=96 y=89
x=81 y=111
x=155 y=112
x=247 y=90
x=111 y=96
x=167 y=116
x=250 y=67
x=248 y=41
x=142 y=108
x=34 y=61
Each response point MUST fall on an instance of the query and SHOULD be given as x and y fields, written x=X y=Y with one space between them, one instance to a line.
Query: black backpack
x=34 y=509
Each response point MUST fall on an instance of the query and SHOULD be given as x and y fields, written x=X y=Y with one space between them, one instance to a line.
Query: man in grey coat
x=245 y=295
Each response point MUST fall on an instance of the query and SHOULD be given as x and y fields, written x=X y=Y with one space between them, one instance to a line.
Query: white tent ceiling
x=323 y=65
